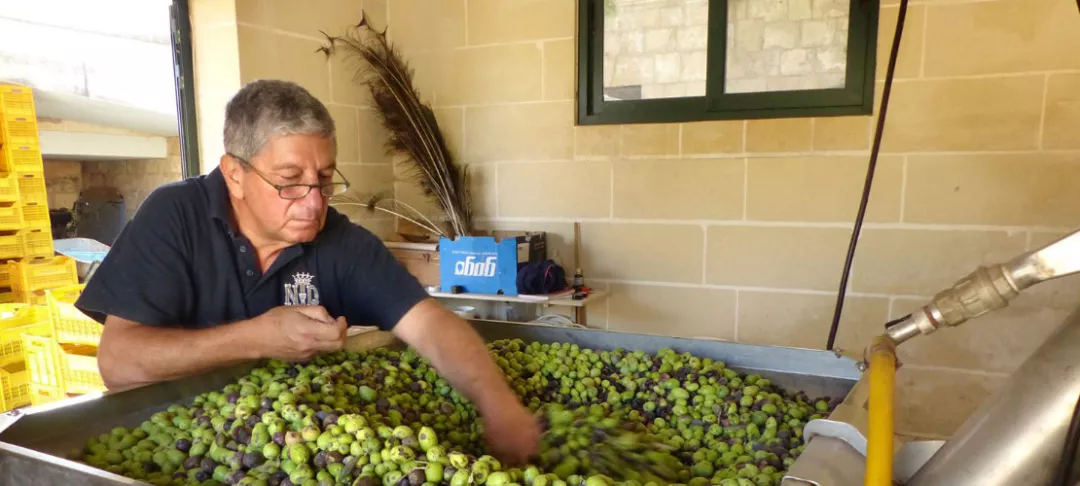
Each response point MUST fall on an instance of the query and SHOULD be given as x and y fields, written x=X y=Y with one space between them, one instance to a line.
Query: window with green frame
x=658 y=61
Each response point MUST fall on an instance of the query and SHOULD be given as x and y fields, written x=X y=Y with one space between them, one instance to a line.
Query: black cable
x=1068 y=454
x=901 y=15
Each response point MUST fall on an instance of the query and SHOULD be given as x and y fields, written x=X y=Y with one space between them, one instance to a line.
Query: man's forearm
x=132 y=354
x=458 y=353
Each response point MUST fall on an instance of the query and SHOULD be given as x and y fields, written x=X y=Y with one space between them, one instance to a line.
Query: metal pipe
x=879 y=446
x=1016 y=436
x=990 y=288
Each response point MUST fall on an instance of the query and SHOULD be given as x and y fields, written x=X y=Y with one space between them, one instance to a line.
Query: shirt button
x=243 y=249
x=251 y=273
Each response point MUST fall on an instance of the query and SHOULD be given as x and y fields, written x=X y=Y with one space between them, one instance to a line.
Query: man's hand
x=512 y=433
x=297 y=333
x=459 y=354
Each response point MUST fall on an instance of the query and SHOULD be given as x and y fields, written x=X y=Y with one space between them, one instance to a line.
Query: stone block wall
x=657 y=48
x=786 y=45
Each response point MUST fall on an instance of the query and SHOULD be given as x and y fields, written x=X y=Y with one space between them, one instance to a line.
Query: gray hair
x=266 y=108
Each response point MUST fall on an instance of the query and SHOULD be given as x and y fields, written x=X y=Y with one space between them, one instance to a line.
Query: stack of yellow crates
x=48 y=348
x=26 y=244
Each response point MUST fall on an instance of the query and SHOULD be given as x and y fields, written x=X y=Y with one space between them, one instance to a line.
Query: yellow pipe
x=879 y=447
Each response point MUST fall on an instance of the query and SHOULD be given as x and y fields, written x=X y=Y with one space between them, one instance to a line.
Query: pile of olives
x=386 y=417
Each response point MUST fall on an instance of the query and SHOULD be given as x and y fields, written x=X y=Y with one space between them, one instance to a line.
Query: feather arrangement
x=411 y=124
x=389 y=205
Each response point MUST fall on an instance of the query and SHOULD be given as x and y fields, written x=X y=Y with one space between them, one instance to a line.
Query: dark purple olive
x=320 y=460
x=243 y=435
x=202 y=475
x=415 y=387
x=251 y=421
x=266 y=404
x=757 y=446
x=150 y=467
x=784 y=434
x=370 y=481
x=286 y=482
x=329 y=420
x=203 y=421
x=417 y=478
x=235 y=477
x=252 y=460
x=321 y=415
x=208 y=464
x=233 y=397
x=279 y=438
x=275 y=479
x=333 y=457
x=192 y=462
x=183 y=445
x=179 y=475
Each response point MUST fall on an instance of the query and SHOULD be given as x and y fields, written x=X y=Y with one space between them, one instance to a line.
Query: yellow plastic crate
x=46 y=376
x=7 y=296
x=32 y=190
x=23 y=158
x=37 y=243
x=11 y=344
x=5 y=278
x=11 y=217
x=9 y=187
x=11 y=246
x=80 y=367
x=16 y=100
x=19 y=129
x=64 y=369
x=47 y=273
x=35 y=216
x=35 y=297
x=19 y=319
x=41 y=394
x=69 y=324
x=14 y=387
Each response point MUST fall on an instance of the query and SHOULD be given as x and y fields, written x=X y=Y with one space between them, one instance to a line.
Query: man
x=248 y=262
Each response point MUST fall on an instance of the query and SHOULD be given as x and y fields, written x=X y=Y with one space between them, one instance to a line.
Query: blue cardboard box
x=488 y=264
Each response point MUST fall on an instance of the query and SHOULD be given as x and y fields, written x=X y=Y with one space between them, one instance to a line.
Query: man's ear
x=233 y=173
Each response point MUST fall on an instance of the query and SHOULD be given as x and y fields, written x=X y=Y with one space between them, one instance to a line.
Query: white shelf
x=559 y=301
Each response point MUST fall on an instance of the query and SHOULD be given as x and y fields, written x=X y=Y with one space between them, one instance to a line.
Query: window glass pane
x=655 y=48
x=786 y=45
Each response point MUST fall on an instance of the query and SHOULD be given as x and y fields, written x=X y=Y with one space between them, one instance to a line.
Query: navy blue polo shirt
x=180 y=262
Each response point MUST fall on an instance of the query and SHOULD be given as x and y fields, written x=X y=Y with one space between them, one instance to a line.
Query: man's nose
x=314 y=199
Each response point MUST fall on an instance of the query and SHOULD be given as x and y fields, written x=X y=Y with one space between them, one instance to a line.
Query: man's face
x=285 y=160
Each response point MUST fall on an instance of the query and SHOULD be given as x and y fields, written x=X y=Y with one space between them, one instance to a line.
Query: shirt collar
x=218 y=193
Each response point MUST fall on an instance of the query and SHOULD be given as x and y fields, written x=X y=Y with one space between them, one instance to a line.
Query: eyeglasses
x=300 y=191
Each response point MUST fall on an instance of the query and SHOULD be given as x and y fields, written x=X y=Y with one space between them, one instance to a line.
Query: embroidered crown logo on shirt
x=301 y=291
